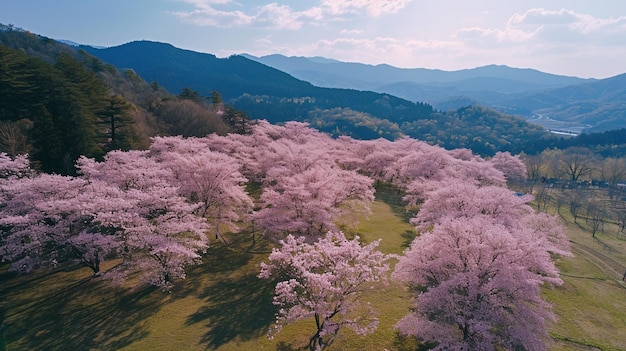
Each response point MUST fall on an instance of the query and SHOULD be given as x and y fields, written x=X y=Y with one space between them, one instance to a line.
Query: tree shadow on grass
x=86 y=315
x=408 y=236
x=605 y=246
x=411 y=343
x=392 y=196
x=221 y=259
x=235 y=308
x=282 y=346
x=238 y=305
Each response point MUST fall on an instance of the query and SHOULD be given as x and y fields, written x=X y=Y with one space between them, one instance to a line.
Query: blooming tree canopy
x=123 y=208
x=210 y=179
x=309 y=203
x=512 y=166
x=324 y=281
x=477 y=287
x=52 y=219
x=477 y=267
x=161 y=234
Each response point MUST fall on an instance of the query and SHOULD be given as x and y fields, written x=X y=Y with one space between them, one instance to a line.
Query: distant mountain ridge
x=237 y=77
x=299 y=67
x=578 y=103
x=176 y=69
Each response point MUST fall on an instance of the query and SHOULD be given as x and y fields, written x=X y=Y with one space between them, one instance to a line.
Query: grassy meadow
x=222 y=305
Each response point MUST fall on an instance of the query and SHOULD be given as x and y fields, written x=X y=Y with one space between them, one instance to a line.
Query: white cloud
x=494 y=36
x=278 y=17
x=541 y=30
x=220 y=13
x=376 y=50
x=371 y=7
x=205 y=14
x=351 y=32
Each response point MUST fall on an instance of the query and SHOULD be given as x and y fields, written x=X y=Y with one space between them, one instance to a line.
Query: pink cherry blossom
x=323 y=281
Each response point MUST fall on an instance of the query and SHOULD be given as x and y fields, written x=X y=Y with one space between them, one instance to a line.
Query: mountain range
x=336 y=74
x=554 y=101
x=240 y=81
x=560 y=103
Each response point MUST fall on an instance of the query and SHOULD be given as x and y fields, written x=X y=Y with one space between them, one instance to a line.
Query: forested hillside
x=266 y=93
x=58 y=103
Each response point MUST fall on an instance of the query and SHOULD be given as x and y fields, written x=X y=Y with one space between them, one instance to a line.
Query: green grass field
x=222 y=305
x=591 y=304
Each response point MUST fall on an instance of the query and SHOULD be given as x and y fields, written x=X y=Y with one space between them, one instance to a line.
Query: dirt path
x=606 y=264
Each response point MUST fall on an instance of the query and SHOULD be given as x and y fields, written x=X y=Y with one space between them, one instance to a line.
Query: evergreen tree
x=189 y=94
x=115 y=124
x=65 y=117
x=16 y=88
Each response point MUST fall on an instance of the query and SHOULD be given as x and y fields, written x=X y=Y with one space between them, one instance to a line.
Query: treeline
x=607 y=144
x=57 y=103
x=61 y=109
x=482 y=130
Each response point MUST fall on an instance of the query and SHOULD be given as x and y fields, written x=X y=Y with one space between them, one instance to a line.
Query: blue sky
x=581 y=38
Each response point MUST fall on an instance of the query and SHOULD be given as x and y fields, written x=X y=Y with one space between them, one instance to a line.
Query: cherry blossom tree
x=311 y=202
x=419 y=168
x=324 y=281
x=125 y=169
x=350 y=153
x=479 y=172
x=466 y=200
x=161 y=235
x=284 y=148
x=477 y=267
x=477 y=286
x=14 y=167
x=512 y=166
x=211 y=179
x=547 y=233
x=163 y=238
x=462 y=154
x=52 y=219
x=424 y=162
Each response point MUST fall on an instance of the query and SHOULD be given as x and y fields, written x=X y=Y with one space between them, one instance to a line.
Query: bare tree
x=613 y=172
x=551 y=163
x=543 y=197
x=596 y=212
x=534 y=167
x=620 y=216
x=575 y=200
x=577 y=163
x=13 y=139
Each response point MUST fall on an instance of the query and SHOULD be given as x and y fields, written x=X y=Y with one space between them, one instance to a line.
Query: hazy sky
x=582 y=38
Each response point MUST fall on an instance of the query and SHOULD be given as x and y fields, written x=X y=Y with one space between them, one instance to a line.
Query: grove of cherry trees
x=474 y=270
